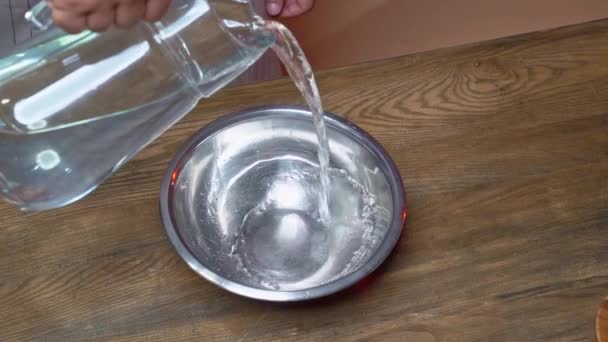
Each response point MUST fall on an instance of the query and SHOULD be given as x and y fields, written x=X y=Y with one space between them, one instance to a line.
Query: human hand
x=288 y=8
x=75 y=16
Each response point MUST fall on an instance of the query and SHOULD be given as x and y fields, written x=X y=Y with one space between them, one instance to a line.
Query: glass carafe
x=74 y=108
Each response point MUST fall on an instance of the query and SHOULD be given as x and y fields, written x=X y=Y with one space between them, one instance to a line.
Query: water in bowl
x=282 y=248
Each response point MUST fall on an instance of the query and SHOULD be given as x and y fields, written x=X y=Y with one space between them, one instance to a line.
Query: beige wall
x=343 y=32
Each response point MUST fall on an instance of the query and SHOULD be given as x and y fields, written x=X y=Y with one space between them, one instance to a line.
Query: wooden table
x=503 y=147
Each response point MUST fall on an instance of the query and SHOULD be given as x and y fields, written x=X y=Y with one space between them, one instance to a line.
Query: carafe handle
x=40 y=16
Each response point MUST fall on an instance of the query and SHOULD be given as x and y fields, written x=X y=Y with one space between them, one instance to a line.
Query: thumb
x=274 y=7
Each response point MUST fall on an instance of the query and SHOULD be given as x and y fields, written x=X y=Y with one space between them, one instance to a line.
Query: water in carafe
x=74 y=108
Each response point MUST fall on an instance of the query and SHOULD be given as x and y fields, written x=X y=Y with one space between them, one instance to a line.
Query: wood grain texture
x=503 y=147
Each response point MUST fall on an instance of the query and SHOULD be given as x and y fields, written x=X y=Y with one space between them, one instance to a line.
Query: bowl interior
x=244 y=201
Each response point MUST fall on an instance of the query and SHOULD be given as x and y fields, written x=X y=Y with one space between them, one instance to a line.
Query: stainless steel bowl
x=240 y=204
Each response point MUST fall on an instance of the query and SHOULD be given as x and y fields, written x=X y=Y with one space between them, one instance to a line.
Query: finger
x=77 y=6
x=101 y=20
x=70 y=22
x=128 y=14
x=156 y=9
x=274 y=7
x=296 y=7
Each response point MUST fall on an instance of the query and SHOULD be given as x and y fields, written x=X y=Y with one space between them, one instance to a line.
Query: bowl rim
x=335 y=122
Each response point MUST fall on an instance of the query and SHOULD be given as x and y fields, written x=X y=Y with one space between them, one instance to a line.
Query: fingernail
x=273 y=8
